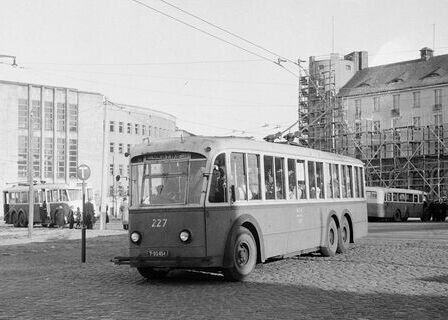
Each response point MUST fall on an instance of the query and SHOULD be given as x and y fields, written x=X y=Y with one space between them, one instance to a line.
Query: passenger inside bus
x=218 y=185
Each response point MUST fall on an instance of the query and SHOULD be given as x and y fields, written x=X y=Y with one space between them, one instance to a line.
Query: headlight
x=136 y=237
x=185 y=236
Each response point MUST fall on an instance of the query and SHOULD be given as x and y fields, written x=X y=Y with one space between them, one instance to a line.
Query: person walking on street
x=71 y=218
x=90 y=214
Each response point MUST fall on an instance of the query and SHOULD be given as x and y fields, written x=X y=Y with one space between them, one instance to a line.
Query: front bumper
x=181 y=262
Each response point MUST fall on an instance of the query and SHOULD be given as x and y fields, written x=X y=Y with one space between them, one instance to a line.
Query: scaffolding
x=414 y=157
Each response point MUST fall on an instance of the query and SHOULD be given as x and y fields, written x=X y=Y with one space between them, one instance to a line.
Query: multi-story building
x=394 y=118
x=68 y=127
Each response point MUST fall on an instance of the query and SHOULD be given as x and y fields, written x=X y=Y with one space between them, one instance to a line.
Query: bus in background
x=51 y=202
x=395 y=204
x=226 y=204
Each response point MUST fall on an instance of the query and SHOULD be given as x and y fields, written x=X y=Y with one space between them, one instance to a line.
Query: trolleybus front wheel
x=243 y=255
x=331 y=242
x=151 y=273
x=344 y=236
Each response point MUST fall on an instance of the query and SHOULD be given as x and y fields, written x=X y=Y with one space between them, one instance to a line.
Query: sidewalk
x=11 y=236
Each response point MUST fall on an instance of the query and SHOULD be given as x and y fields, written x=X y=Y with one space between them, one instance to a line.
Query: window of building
x=416 y=121
x=438 y=119
x=358 y=109
x=376 y=126
x=438 y=98
x=149 y=131
x=358 y=127
x=111 y=169
x=72 y=157
x=129 y=128
x=120 y=127
x=111 y=126
x=396 y=102
x=48 y=158
x=23 y=114
x=348 y=67
x=111 y=147
x=376 y=104
x=73 y=118
x=120 y=169
x=35 y=154
x=137 y=128
x=120 y=148
x=143 y=129
x=416 y=99
x=61 y=117
x=60 y=157
x=36 y=116
x=129 y=148
x=22 y=161
x=48 y=116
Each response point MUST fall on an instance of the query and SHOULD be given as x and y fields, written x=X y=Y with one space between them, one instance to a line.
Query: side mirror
x=232 y=193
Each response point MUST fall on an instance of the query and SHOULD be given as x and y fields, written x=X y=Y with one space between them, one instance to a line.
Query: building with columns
x=68 y=127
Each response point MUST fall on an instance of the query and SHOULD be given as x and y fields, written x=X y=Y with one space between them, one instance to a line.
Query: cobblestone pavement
x=378 y=279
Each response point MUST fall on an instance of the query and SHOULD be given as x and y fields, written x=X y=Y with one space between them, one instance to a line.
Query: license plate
x=157 y=253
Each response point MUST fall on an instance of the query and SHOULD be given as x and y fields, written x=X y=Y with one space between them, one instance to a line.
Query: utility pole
x=30 y=167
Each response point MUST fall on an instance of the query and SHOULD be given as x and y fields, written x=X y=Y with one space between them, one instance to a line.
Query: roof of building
x=398 y=76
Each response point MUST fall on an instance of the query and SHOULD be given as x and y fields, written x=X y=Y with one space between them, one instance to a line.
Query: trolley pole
x=83 y=173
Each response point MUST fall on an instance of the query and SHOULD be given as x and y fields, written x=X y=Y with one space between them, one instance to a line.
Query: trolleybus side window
x=279 y=178
x=320 y=180
x=218 y=185
x=395 y=196
x=410 y=197
x=301 y=183
x=238 y=175
x=388 y=196
x=334 y=170
x=196 y=179
x=312 y=179
x=328 y=181
x=253 y=164
x=269 y=177
x=356 y=182
x=402 y=197
x=292 y=181
x=349 y=177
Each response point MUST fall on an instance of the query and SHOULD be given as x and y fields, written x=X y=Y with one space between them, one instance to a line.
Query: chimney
x=426 y=53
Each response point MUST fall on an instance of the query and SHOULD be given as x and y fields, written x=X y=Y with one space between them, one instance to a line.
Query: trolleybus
x=395 y=204
x=50 y=201
x=227 y=203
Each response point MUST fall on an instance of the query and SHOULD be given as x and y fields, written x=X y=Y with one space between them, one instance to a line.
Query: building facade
x=66 y=128
x=394 y=118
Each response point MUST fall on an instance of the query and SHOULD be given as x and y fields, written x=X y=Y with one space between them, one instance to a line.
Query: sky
x=152 y=53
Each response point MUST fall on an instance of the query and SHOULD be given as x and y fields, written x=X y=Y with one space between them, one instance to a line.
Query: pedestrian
x=443 y=210
x=43 y=213
x=71 y=218
x=432 y=210
x=90 y=214
x=78 y=218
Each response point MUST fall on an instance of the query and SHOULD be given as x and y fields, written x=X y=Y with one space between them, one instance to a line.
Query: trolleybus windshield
x=167 y=182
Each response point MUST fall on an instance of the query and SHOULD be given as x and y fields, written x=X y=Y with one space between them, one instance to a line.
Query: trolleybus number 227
x=159 y=223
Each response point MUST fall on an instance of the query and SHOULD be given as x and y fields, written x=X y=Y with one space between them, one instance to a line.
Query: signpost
x=83 y=173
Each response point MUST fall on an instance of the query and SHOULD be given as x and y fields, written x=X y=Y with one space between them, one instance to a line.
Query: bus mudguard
x=250 y=223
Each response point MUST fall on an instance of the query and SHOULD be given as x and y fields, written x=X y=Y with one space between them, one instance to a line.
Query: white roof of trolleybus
x=200 y=144
x=396 y=190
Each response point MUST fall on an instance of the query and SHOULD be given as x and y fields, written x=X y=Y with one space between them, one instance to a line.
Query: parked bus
x=395 y=204
x=51 y=201
x=225 y=204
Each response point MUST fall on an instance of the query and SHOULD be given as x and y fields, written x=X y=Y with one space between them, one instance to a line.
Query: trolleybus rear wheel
x=344 y=236
x=397 y=215
x=22 y=220
x=243 y=255
x=331 y=242
x=151 y=273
